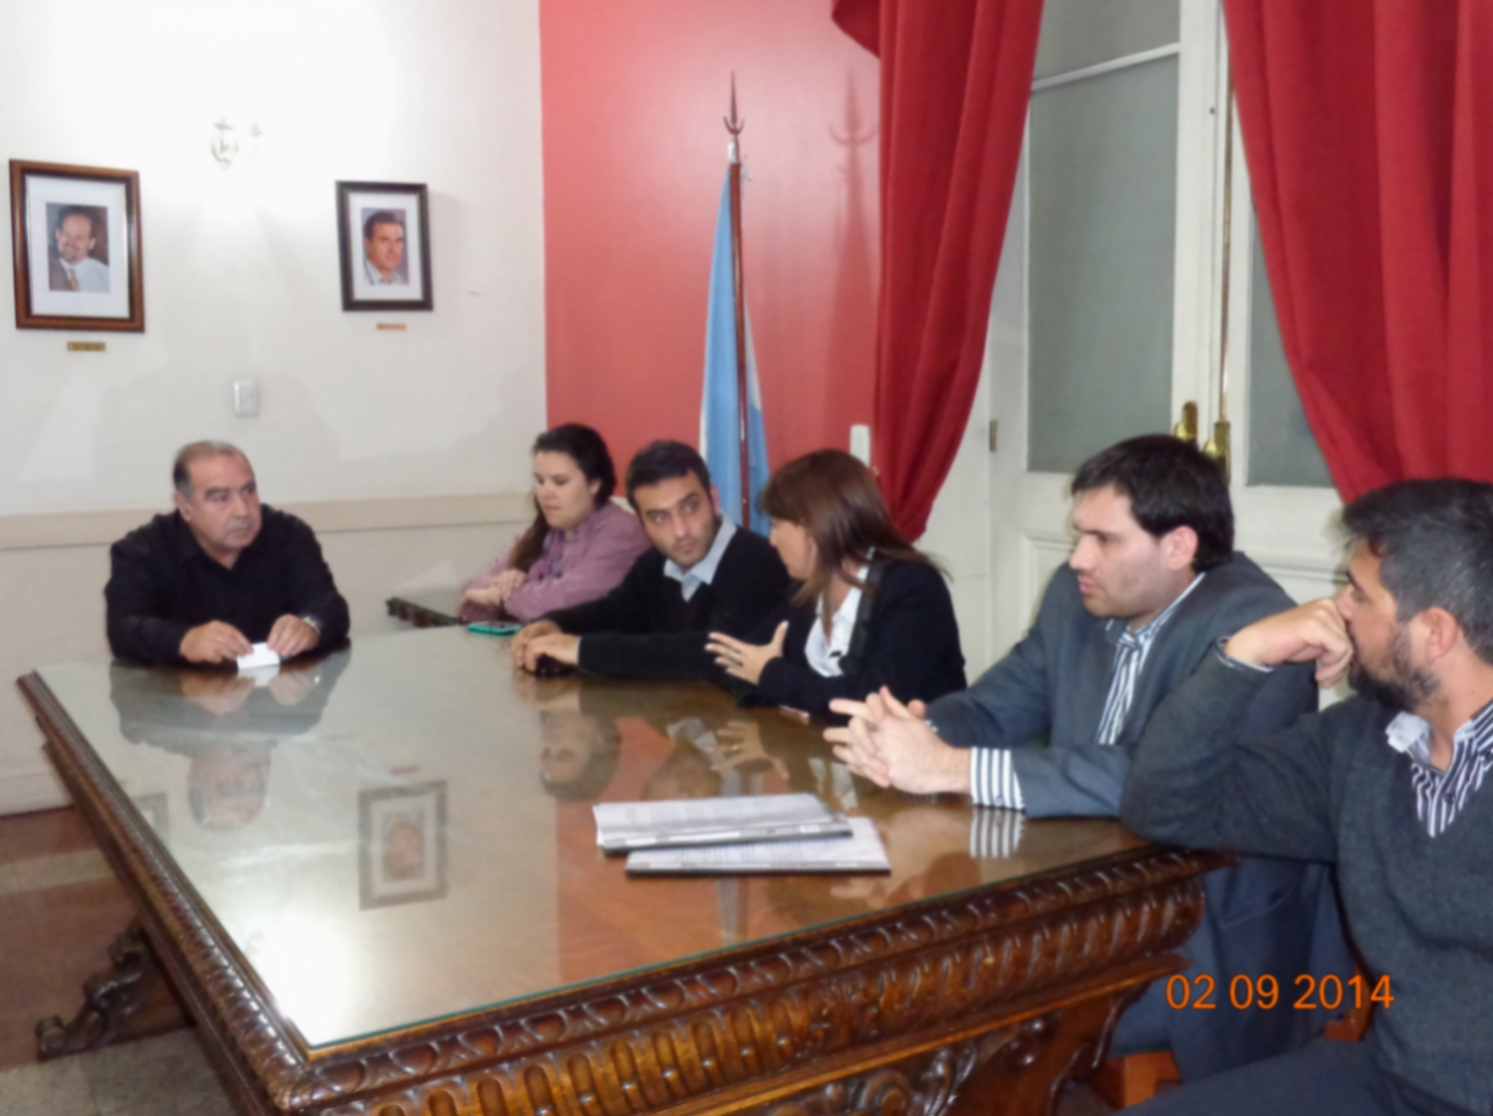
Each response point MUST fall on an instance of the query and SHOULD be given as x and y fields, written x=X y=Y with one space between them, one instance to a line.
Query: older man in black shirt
x=220 y=573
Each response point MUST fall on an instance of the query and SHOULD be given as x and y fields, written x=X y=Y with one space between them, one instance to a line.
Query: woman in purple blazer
x=580 y=544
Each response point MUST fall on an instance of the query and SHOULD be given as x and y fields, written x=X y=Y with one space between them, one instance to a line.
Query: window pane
x=1103 y=217
x=1282 y=449
x=1079 y=33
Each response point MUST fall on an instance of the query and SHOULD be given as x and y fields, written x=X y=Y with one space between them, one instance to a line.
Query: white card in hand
x=261 y=656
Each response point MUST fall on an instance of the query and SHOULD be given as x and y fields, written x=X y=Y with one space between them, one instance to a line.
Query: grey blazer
x=1044 y=700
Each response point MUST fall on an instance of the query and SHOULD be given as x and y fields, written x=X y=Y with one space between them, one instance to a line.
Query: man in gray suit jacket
x=1152 y=585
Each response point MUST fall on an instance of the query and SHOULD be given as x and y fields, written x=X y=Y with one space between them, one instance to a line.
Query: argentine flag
x=719 y=419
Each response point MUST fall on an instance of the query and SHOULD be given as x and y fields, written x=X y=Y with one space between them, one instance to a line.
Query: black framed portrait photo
x=383 y=237
x=75 y=235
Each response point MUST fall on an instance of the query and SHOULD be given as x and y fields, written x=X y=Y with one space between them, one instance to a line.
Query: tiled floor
x=168 y=1074
x=59 y=910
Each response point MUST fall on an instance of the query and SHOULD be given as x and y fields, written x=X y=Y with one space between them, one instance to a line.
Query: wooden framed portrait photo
x=75 y=235
x=383 y=237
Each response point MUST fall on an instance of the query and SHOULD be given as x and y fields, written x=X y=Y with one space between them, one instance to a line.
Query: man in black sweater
x=703 y=574
x=1388 y=784
x=219 y=574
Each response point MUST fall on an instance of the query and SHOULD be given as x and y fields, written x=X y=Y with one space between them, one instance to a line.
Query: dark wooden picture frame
x=93 y=215
x=365 y=244
x=401 y=845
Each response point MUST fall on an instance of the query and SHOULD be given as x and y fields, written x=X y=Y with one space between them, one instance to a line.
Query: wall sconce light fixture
x=229 y=141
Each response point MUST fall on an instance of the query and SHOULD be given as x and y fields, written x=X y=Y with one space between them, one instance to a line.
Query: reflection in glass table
x=393 y=845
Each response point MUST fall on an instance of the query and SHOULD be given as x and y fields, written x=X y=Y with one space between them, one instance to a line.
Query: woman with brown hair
x=579 y=546
x=870 y=611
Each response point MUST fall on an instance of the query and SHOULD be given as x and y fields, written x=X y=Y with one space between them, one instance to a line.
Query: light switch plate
x=246 y=398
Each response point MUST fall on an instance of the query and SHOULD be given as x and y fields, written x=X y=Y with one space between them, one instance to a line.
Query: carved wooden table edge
x=418 y=615
x=188 y=947
x=1010 y=989
x=919 y=1005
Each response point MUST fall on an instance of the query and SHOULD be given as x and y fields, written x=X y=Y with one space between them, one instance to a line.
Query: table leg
x=1027 y=1076
x=129 y=1000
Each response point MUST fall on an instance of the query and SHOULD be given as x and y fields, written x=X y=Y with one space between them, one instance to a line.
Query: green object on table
x=494 y=629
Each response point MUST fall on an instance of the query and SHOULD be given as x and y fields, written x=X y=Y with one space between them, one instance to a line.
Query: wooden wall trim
x=99 y=528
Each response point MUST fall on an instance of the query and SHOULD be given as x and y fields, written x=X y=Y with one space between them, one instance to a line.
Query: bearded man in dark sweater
x=1388 y=784
x=704 y=574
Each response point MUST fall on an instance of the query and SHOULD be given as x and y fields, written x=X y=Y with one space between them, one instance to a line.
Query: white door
x=1131 y=284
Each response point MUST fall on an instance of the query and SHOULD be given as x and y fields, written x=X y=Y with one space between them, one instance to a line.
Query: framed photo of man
x=75 y=235
x=383 y=236
x=401 y=845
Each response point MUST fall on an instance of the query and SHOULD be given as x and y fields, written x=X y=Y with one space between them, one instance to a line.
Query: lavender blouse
x=570 y=571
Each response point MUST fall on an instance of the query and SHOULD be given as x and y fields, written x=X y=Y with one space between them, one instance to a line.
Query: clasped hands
x=892 y=745
x=220 y=642
x=497 y=591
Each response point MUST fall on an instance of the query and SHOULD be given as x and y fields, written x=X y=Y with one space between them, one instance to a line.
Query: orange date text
x=1307 y=993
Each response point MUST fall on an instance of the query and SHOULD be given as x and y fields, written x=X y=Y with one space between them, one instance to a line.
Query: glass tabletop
x=402 y=831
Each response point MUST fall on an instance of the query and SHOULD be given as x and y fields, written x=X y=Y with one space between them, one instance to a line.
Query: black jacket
x=162 y=584
x=906 y=639
x=645 y=628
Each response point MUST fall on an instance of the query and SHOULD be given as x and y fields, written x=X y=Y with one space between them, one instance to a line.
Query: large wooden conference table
x=372 y=881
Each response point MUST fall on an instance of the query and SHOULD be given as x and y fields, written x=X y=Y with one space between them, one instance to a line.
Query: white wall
x=241 y=280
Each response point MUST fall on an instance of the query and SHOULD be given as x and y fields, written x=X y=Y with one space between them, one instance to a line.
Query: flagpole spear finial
x=733 y=124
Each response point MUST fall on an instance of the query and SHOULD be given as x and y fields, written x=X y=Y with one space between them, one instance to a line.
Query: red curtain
x=1368 y=126
x=955 y=79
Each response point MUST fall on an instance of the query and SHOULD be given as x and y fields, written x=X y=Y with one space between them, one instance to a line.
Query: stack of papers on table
x=714 y=821
x=861 y=851
x=782 y=832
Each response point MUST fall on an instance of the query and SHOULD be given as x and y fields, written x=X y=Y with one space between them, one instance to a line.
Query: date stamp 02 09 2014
x=1199 y=993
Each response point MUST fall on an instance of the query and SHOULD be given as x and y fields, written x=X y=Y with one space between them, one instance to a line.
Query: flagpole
x=734 y=127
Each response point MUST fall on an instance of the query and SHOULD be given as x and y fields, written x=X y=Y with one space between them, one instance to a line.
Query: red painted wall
x=634 y=157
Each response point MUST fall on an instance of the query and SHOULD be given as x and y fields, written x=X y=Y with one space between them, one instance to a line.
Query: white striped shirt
x=995 y=833
x=1130 y=656
x=992 y=776
x=1440 y=795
